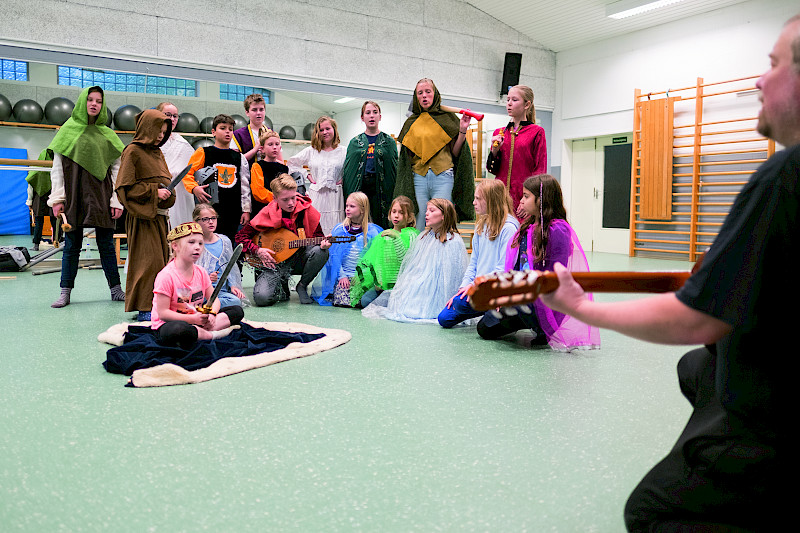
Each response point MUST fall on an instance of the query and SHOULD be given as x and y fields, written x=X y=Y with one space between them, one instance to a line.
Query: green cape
x=40 y=179
x=94 y=147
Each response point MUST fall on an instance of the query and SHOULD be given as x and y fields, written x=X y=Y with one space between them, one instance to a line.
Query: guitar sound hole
x=278 y=245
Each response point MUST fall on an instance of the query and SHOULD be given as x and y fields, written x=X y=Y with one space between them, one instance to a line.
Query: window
x=240 y=92
x=121 y=81
x=14 y=70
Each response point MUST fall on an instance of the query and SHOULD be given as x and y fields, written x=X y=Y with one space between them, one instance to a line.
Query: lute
x=284 y=243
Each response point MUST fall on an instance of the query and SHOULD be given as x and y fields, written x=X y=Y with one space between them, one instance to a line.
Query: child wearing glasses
x=217 y=253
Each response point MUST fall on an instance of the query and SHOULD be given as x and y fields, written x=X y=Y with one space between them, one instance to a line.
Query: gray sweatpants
x=307 y=262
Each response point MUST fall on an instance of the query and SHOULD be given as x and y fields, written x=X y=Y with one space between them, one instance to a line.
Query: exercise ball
x=187 y=123
x=125 y=117
x=58 y=110
x=202 y=141
x=205 y=124
x=5 y=108
x=287 y=132
x=28 y=111
x=109 y=117
x=268 y=122
x=241 y=122
x=308 y=131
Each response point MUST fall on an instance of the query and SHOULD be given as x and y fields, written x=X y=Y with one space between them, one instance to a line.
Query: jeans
x=460 y=311
x=432 y=186
x=307 y=262
x=73 y=241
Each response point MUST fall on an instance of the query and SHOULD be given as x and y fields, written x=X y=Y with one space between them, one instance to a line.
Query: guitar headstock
x=507 y=289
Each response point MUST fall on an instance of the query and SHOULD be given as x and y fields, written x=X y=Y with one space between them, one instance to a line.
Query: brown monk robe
x=143 y=171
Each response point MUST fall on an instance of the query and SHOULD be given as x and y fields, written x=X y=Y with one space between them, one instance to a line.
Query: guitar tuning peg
x=497 y=314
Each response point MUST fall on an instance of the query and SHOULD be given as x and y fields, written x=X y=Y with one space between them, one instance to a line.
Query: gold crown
x=182 y=230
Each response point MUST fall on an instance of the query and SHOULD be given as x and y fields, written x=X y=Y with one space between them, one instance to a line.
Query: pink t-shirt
x=184 y=295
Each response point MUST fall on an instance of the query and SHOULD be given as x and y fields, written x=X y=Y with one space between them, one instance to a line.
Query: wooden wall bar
x=707 y=163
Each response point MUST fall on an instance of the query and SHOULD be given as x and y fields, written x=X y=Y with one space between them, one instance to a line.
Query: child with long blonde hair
x=377 y=270
x=431 y=271
x=494 y=229
x=520 y=149
x=341 y=265
x=217 y=253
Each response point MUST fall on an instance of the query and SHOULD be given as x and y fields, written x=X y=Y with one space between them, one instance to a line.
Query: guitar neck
x=310 y=241
x=517 y=288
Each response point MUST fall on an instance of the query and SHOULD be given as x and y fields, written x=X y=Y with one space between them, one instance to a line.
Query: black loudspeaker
x=511 y=68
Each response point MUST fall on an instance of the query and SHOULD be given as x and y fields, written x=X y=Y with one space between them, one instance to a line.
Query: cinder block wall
x=381 y=44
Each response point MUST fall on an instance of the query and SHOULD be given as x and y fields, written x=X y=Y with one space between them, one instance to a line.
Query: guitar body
x=278 y=241
x=284 y=243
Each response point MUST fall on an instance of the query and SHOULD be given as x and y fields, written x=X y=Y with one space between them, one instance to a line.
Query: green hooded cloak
x=94 y=147
x=39 y=180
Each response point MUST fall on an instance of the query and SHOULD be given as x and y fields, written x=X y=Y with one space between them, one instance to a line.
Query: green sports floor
x=404 y=428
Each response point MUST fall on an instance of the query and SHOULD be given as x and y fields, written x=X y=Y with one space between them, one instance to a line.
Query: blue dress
x=430 y=274
x=322 y=290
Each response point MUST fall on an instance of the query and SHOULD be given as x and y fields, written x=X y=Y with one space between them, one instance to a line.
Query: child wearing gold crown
x=181 y=288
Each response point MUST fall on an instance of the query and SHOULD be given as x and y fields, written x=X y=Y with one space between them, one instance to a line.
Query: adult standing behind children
x=370 y=165
x=38 y=194
x=246 y=139
x=177 y=152
x=294 y=212
x=727 y=468
x=232 y=178
x=520 y=149
x=85 y=165
x=142 y=189
x=325 y=160
x=432 y=163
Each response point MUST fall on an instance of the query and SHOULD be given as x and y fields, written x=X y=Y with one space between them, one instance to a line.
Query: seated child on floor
x=377 y=270
x=217 y=253
x=495 y=227
x=544 y=239
x=431 y=270
x=341 y=266
x=288 y=211
x=181 y=287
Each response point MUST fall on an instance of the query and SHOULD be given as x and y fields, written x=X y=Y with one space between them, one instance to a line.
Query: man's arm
x=661 y=319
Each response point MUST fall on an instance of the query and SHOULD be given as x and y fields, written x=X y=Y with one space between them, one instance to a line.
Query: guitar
x=284 y=243
x=518 y=288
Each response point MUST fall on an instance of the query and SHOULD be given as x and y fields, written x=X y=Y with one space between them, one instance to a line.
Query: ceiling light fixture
x=629 y=8
x=343 y=100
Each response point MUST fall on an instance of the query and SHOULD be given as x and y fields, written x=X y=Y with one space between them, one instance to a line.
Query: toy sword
x=179 y=178
x=206 y=307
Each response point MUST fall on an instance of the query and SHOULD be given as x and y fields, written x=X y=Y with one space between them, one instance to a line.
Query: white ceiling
x=563 y=24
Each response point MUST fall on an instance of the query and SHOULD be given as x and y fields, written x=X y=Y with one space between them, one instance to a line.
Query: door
x=600 y=210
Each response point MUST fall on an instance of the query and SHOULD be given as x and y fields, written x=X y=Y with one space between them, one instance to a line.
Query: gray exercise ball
x=205 y=124
x=201 y=142
x=5 y=108
x=109 y=117
x=287 y=132
x=187 y=123
x=125 y=117
x=308 y=131
x=268 y=122
x=241 y=122
x=58 y=110
x=29 y=111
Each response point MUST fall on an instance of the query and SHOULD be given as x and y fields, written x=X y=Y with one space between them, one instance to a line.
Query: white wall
x=595 y=83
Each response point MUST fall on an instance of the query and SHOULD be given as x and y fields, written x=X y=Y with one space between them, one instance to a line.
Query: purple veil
x=564 y=333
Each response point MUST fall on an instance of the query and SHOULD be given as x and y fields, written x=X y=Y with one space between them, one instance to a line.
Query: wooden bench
x=118 y=245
